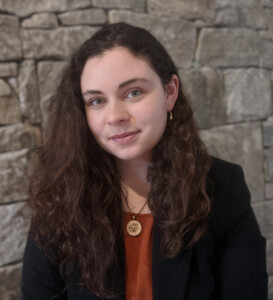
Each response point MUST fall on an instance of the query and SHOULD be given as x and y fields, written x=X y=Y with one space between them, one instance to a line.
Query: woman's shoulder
x=221 y=171
x=229 y=194
x=226 y=179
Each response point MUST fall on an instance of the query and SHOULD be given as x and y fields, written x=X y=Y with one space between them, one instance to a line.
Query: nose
x=117 y=113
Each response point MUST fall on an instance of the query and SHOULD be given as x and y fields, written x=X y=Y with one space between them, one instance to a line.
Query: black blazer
x=228 y=263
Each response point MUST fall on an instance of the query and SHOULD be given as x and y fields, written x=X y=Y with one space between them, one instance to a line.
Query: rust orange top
x=138 y=260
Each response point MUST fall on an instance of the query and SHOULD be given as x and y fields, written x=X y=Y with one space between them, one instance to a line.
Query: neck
x=134 y=181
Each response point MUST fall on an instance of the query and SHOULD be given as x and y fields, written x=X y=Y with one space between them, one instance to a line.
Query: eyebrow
x=122 y=85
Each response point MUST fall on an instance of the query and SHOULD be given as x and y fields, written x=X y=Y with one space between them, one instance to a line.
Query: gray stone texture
x=28 y=92
x=238 y=3
x=10 y=46
x=264 y=213
x=10 y=280
x=28 y=7
x=57 y=43
x=268 y=3
x=201 y=9
x=52 y=70
x=203 y=23
x=43 y=20
x=248 y=94
x=268 y=164
x=269 y=17
x=9 y=105
x=5 y=89
x=13 y=176
x=15 y=221
x=205 y=90
x=19 y=136
x=269 y=252
x=242 y=144
x=8 y=69
x=268 y=133
x=266 y=49
x=269 y=190
x=227 y=47
x=135 y=5
x=178 y=36
x=241 y=17
x=83 y=17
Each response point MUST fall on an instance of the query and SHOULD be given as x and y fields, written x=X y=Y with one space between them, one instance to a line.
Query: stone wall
x=223 y=49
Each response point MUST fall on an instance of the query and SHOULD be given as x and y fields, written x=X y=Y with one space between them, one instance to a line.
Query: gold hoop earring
x=171 y=116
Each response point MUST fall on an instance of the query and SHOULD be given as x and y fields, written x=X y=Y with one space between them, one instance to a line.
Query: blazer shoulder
x=229 y=194
x=221 y=170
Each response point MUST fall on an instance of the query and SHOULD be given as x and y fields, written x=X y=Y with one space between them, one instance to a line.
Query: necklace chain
x=134 y=227
x=136 y=214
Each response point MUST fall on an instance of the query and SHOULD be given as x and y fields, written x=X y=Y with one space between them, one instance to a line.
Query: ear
x=171 y=92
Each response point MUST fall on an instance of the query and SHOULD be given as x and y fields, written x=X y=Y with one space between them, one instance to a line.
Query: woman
x=127 y=203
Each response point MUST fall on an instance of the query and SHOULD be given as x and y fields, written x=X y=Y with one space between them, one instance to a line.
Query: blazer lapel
x=169 y=276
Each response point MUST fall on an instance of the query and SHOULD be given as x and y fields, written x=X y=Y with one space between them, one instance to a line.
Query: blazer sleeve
x=241 y=268
x=40 y=278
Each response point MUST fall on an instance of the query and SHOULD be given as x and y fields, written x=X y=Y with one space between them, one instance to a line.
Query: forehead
x=114 y=67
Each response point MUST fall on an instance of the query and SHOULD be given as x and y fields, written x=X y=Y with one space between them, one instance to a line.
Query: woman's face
x=125 y=103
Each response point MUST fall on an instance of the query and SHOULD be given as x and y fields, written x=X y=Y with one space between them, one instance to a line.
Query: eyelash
x=90 y=103
x=135 y=90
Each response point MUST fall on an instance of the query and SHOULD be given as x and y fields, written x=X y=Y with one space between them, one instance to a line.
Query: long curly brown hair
x=76 y=192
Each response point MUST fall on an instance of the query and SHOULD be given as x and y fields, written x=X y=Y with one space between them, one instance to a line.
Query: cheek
x=155 y=112
x=93 y=124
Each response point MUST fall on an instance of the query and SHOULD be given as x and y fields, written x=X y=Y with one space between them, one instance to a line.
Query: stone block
x=9 y=109
x=28 y=7
x=13 y=82
x=268 y=163
x=43 y=20
x=177 y=36
x=248 y=94
x=264 y=212
x=14 y=223
x=266 y=49
x=8 y=69
x=205 y=90
x=82 y=17
x=269 y=16
x=10 y=281
x=57 y=43
x=241 y=144
x=10 y=44
x=53 y=70
x=19 y=136
x=5 y=89
x=241 y=17
x=195 y=9
x=237 y=3
x=28 y=92
x=268 y=133
x=268 y=3
x=203 y=23
x=135 y=5
x=227 y=47
x=269 y=190
x=13 y=176
x=269 y=255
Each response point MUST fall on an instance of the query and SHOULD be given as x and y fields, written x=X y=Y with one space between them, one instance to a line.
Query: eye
x=95 y=102
x=134 y=93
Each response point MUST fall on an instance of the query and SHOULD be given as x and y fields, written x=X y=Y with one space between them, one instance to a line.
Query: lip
x=125 y=137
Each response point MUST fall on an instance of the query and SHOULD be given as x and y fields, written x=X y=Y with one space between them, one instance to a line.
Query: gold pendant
x=133 y=227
